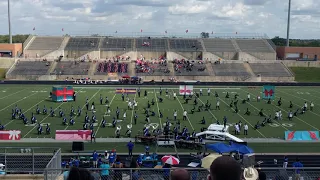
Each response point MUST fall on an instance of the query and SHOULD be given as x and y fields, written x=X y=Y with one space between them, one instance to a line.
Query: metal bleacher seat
x=83 y=44
x=270 y=69
x=253 y=45
x=116 y=44
x=30 y=68
x=218 y=45
x=155 y=44
x=185 y=45
x=46 y=43
x=232 y=69
x=72 y=68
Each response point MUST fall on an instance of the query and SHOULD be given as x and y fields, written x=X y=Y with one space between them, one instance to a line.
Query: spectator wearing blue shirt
x=297 y=165
x=285 y=162
x=95 y=159
x=130 y=146
x=147 y=148
x=105 y=170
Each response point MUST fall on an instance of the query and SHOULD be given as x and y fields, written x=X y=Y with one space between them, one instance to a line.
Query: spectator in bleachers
x=225 y=168
x=180 y=174
x=79 y=174
x=105 y=170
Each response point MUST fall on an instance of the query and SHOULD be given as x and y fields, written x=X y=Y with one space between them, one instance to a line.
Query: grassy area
x=121 y=147
x=28 y=97
x=306 y=74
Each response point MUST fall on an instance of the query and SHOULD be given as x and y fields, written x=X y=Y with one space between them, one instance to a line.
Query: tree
x=204 y=35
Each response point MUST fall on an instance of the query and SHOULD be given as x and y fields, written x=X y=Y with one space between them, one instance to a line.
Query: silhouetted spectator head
x=262 y=176
x=79 y=174
x=180 y=174
x=225 y=168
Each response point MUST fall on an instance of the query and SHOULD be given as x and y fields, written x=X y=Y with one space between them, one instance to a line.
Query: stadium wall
x=35 y=53
x=309 y=53
x=110 y=54
x=78 y=54
x=6 y=63
x=151 y=55
x=173 y=55
x=210 y=56
x=15 y=49
x=291 y=63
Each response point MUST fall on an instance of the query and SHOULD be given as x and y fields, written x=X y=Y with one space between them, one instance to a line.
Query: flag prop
x=268 y=92
x=60 y=94
x=125 y=91
x=186 y=90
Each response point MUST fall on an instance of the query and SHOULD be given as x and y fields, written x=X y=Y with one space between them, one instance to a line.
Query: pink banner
x=13 y=135
x=73 y=135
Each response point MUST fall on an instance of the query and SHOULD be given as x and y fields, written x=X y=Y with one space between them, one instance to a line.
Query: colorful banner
x=12 y=135
x=73 y=135
x=60 y=94
x=186 y=90
x=268 y=92
x=125 y=91
x=302 y=135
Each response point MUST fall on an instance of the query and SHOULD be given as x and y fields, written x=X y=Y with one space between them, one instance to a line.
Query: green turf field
x=27 y=97
x=306 y=74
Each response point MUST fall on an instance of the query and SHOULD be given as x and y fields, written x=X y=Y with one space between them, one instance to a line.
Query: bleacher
x=154 y=68
x=270 y=69
x=218 y=45
x=152 y=44
x=253 y=45
x=83 y=44
x=111 y=67
x=116 y=44
x=31 y=68
x=72 y=68
x=230 y=69
x=46 y=43
x=185 y=45
x=190 y=68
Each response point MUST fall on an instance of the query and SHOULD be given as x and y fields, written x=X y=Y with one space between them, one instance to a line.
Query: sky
x=154 y=17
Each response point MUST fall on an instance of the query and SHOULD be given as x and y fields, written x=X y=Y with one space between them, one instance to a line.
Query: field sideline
x=27 y=97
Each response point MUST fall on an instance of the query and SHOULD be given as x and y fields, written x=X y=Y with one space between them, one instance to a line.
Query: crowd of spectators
x=187 y=65
x=112 y=67
x=143 y=66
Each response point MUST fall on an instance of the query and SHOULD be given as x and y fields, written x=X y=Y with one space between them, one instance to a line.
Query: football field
x=27 y=97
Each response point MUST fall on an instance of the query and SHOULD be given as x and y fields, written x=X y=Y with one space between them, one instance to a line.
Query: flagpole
x=9 y=23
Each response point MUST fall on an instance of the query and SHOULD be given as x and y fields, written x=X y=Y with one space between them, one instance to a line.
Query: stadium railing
x=195 y=173
x=33 y=160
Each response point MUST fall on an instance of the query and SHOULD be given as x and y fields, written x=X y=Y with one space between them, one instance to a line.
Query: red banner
x=73 y=135
x=12 y=135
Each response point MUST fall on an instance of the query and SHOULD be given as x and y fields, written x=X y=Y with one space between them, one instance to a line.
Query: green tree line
x=19 y=38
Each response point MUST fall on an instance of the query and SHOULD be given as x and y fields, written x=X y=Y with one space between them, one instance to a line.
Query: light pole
x=9 y=23
x=288 y=24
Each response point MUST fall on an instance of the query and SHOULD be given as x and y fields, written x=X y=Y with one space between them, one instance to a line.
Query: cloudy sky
x=83 y=17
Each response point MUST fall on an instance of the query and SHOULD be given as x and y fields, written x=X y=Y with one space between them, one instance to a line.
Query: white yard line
x=104 y=114
x=158 y=107
x=44 y=119
x=273 y=121
x=287 y=112
x=183 y=110
x=209 y=110
x=20 y=100
x=13 y=94
x=84 y=105
x=135 y=95
x=297 y=104
x=242 y=118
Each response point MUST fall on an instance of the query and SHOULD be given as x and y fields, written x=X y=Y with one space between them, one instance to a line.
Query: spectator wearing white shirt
x=209 y=91
x=311 y=106
x=248 y=97
x=218 y=105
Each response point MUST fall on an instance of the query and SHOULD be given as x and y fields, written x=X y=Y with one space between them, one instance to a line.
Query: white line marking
x=183 y=110
x=242 y=117
x=12 y=94
x=287 y=112
x=158 y=107
x=104 y=114
x=84 y=106
x=135 y=95
x=42 y=120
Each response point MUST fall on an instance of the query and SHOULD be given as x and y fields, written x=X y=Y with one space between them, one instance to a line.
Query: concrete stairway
x=248 y=68
x=236 y=46
x=131 y=68
x=134 y=47
x=203 y=46
x=209 y=69
x=52 y=67
x=168 y=42
x=171 y=68
x=92 y=69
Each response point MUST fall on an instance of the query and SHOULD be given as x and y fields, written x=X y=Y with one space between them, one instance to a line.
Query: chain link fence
x=195 y=174
x=26 y=160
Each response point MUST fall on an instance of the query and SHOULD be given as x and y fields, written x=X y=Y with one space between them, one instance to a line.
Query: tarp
x=60 y=94
x=226 y=148
x=302 y=135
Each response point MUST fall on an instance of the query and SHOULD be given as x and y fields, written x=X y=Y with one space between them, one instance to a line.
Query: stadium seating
x=111 y=67
x=152 y=44
x=218 y=45
x=230 y=69
x=46 y=43
x=190 y=68
x=153 y=68
x=254 y=45
x=72 y=68
x=31 y=68
x=185 y=45
x=116 y=44
x=83 y=44
x=270 y=69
